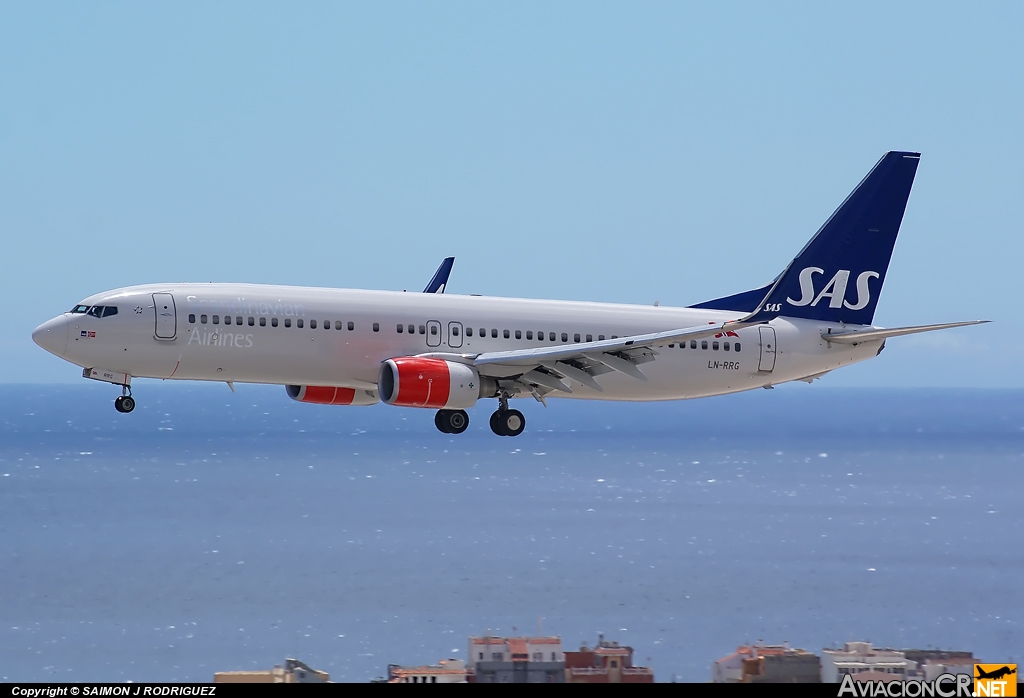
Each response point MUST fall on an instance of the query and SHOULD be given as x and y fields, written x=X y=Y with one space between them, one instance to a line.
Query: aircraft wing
x=545 y=369
x=858 y=336
x=440 y=279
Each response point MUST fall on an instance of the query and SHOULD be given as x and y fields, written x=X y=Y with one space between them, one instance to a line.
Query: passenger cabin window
x=455 y=331
x=312 y=324
x=725 y=346
x=736 y=346
x=505 y=334
x=216 y=319
x=400 y=329
x=376 y=327
x=351 y=325
x=238 y=319
x=519 y=334
x=192 y=318
x=202 y=319
x=251 y=321
x=433 y=329
x=298 y=323
x=227 y=319
x=469 y=331
x=494 y=334
x=273 y=322
x=423 y=329
x=590 y=338
x=483 y=332
x=287 y=321
x=576 y=337
x=565 y=336
x=551 y=336
x=327 y=324
x=693 y=343
x=263 y=322
x=337 y=324
x=704 y=344
x=600 y=337
x=529 y=334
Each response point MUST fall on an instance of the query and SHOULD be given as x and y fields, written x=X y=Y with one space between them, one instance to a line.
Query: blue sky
x=632 y=152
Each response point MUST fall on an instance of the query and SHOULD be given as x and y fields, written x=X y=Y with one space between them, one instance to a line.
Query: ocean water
x=213 y=531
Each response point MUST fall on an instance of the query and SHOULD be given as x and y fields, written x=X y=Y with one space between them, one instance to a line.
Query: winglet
x=440 y=279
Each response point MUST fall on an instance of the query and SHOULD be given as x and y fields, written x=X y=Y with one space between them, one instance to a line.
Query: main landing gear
x=451 y=421
x=125 y=403
x=506 y=422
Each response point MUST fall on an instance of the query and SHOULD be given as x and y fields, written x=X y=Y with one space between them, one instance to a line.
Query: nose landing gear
x=125 y=403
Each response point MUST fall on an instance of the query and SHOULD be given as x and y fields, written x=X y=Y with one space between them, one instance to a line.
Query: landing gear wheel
x=127 y=403
x=118 y=403
x=513 y=422
x=440 y=422
x=458 y=421
x=496 y=423
x=451 y=421
x=508 y=422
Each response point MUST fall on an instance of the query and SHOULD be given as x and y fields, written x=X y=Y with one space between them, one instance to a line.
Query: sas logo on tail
x=834 y=290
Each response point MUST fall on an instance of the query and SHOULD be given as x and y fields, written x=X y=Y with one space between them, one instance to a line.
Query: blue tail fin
x=440 y=279
x=838 y=275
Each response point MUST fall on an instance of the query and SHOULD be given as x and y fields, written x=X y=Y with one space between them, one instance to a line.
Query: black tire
x=458 y=421
x=441 y=421
x=127 y=403
x=117 y=403
x=513 y=422
x=496 y=421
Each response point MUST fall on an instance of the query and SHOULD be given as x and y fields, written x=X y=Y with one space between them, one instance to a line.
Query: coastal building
x=516 y=659
x=445 y=671
x=857 y=657
x=606 y=662
x=760 y=663
x=293 y=671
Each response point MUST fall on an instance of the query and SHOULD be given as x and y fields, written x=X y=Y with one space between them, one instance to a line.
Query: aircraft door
x=433 y=333
x=766 y=362
x=166 y=318
x=455 y=334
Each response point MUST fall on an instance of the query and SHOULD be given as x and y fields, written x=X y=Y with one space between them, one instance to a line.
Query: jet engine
x=327 y=395
x=420 y=382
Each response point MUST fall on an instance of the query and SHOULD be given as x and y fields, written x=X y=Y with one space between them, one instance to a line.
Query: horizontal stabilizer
x=856 y=337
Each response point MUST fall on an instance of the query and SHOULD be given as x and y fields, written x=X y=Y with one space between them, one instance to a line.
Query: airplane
x=445 y=352
x=995 y=674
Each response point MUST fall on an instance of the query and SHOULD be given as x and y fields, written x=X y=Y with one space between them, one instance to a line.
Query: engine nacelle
x=327 y=395
x=420 y=382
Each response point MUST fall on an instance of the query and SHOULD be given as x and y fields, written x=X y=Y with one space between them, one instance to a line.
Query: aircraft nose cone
x=52 y=336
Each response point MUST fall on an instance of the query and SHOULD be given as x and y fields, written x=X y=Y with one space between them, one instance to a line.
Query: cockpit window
x=96 y=310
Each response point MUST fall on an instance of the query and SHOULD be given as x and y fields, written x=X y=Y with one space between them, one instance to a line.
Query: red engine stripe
x=422 y=382
x=325 y=395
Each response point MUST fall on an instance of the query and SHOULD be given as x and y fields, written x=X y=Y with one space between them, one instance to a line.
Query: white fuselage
x=345 y=335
